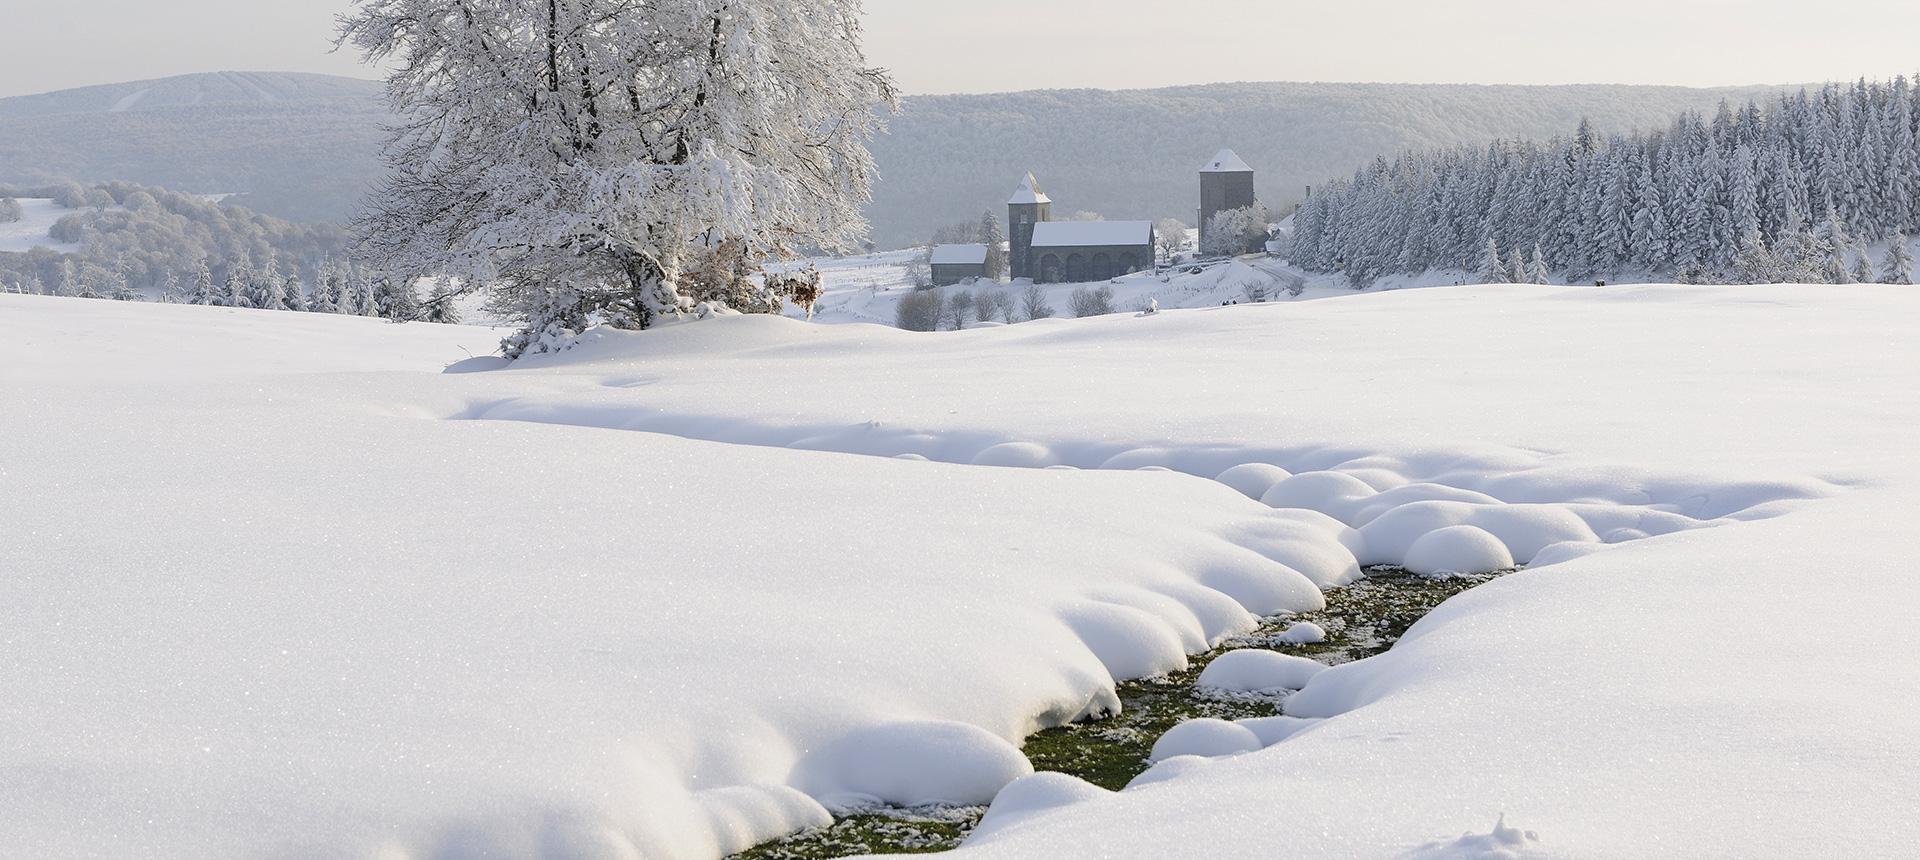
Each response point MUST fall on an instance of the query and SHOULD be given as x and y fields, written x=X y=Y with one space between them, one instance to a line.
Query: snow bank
x=1253 y=670
x=911 y=764
x=420 y=634
x=1458 y=549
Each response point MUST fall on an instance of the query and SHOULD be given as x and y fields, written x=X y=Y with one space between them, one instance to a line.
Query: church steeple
x=1028 y=206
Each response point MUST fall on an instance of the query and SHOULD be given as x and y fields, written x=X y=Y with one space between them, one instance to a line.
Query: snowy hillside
x=38 y=216
x=674 y=593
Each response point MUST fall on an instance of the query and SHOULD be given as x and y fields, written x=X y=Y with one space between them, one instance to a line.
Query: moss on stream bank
x=1361 y=620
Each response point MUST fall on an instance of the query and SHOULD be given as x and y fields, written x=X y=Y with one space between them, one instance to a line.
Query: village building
x=1050 y=251
x=954 y=264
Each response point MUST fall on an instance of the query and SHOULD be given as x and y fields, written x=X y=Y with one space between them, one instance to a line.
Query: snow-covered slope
x=278 y=586
x=38 y=215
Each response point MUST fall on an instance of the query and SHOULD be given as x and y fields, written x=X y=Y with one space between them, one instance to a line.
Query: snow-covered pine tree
x=296 y=291
x=238 y=290
x=326 y=289
x=396 y=299
x=439 y=307
x=1493 y=267
x=1517 y=268
x=1537 y=270
x=571 y=153
x=1898 y=268
x=996 y=241
x=1863 y=263
x=204 y=292
x=170 y=291
x=269 y=291
x=69 y=285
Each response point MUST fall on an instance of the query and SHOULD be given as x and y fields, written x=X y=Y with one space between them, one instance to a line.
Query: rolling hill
x=304 y=147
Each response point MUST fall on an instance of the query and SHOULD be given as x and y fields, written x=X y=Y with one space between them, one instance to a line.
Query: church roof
x=959 y=255
x=1028 y=192
x=1226 y=161
x=1087 y=234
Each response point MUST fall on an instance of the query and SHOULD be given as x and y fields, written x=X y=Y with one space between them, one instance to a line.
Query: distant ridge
x=211 y=88
x=305 y=146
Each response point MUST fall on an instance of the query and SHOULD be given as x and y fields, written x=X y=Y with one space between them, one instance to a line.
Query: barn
x=1076 y=251
x=953 y=264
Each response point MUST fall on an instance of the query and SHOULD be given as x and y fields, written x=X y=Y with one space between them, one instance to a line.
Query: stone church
x=1052 y=252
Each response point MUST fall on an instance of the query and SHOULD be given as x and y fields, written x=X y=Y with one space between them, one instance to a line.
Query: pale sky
x=943 y=46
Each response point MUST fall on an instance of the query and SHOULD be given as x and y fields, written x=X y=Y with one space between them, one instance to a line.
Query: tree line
x=1792 y=191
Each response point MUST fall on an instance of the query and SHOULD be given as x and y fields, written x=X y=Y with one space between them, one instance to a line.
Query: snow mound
x=1255 y=671
x=1030 y=795
x=1273 y=730
x=1206 y=737
x=1523 y=530
x=1304 y=633
x=911 y=764
x=1253 y=480
x=1025 y=455
x=1458 y=549
x=1168 y=768
x=1130 y=642
x=1336 y=494
x=1504 y=843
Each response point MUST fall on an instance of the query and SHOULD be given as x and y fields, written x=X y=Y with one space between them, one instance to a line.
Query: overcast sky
x=940 y=46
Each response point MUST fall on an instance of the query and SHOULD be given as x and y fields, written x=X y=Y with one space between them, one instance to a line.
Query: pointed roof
x=1225 y=161
x=1029 y=192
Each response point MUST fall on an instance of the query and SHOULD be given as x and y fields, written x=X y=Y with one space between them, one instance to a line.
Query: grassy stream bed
x=1361 y=620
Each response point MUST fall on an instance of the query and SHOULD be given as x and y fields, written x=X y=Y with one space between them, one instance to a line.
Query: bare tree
x=1092 y=303
x=1034 y=303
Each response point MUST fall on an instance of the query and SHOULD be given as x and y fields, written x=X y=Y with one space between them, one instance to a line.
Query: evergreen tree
x=204 y=292
x=1899 y=265
x=269 y=287
x=170 y=290
x=1863 y=264
x=440 y=308
x=326 y=289
x=69 y=285
x=296 y=292
x=1493 y=268
x=238 y=291
x=1537 y=270
x=1517 y=268
x=996 y=242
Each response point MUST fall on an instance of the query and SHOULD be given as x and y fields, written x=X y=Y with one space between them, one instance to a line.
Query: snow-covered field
x=31 y=231
x=276 y=584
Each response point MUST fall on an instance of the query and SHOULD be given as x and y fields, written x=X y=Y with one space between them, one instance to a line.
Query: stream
x=1361 y=620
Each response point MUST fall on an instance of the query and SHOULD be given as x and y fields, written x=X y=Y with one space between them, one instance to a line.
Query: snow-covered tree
x=203 y=292
x=1686 y=200
x=1170 y=237
x=1899 y=266
x=1863 y=264
x=996 y=242
x=1516 y=268
x=1236 y=231
x=238 y=289
x=1537 y=271
x=10 y=211
x=1493 y=267
x=440 y=308
x=572 y=153
x=69 y=285
x=328 y=289
x=269 y=287
x=170 y=290
x=296 y=291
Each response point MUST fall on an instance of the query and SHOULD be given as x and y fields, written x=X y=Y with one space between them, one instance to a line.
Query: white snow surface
x=275 y=585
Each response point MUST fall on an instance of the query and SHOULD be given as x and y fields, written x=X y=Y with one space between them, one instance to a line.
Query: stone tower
x=1028 y=206
x=1226 y=183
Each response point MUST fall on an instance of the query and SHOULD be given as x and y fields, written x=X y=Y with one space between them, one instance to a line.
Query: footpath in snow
x=286 y=587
